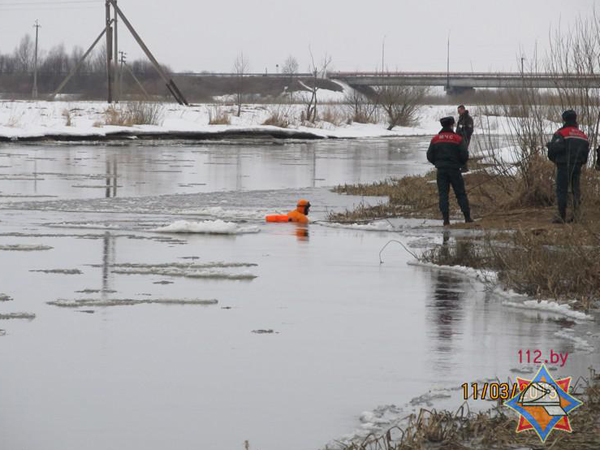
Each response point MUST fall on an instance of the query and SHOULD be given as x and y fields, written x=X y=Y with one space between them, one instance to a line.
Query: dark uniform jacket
x=448 y=150
x=569 y=145
x=465 y=126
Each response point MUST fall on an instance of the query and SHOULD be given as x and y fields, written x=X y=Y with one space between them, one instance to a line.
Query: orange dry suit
x=300 y=213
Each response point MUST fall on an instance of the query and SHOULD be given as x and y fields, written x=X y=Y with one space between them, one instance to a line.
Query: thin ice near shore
x=490 y=277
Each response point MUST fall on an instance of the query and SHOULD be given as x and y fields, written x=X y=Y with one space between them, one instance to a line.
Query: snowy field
x=146 y=304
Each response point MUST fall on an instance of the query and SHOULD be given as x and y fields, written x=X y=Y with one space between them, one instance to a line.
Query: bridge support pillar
x=457 y=90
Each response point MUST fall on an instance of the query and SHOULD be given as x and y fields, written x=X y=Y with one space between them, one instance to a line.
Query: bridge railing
x=506 y=75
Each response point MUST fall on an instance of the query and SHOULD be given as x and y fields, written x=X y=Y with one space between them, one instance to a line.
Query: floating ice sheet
x=20 y=315
x=24 y=248
x=207 y=227
x=87 y=302
x=59 y=271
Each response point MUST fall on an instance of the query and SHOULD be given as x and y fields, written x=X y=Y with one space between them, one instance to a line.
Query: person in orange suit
x=300 y=213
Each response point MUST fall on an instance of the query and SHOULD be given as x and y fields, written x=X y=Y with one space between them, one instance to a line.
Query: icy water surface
x=120 y=332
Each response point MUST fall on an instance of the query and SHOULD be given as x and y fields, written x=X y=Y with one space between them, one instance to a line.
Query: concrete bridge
x=453 y=82
x=460 y=81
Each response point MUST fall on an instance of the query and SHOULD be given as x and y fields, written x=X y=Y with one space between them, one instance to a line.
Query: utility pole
x=383 y=54
x=122 y=61
x=109 y=56
x=34 y=92
x=117 y=92
x=171 y=86
x=448 y=65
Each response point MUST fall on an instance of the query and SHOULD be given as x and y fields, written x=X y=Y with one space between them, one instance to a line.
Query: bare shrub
x=401 y=104
x=114 y=116
x=333 y=116
x=318 y=70
x=218 y=116
x=241 y=66
x=361 y=108
x=144 y=113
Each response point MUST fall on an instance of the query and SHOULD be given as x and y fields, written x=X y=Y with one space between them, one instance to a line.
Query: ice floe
x=59 y=271
x=21 y=315
x=87 y=302
x=24 y=248
x=207 y=227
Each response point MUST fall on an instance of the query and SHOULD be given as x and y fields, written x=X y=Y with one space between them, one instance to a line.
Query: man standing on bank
x=465 y=124
x=568 y=149
x=448 y=152
x=465 y=128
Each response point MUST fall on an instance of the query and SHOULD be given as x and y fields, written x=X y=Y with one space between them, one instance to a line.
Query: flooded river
x=145 y=337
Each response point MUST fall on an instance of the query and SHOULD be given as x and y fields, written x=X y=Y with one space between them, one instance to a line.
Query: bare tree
x=241 y=66
x=575 y=57
x=317 y=71
x=24 y=54
x=290 y=66
x=401 y=104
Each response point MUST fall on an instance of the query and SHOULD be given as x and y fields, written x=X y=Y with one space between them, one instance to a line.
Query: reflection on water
x=93 y=171
x=445 y=314
x=109 y=245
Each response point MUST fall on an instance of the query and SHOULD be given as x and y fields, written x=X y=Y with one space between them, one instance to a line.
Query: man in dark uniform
x=465 y=128
x=568 y=149
x=465 y=124
x=448 y=152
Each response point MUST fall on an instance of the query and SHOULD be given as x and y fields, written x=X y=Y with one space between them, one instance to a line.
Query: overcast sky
x=206 y=35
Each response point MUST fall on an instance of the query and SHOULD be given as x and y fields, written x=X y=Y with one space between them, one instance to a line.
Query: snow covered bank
x=84 y=121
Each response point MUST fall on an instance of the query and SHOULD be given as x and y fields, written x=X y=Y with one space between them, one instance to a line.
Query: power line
x=52 y=5
x=59 y=2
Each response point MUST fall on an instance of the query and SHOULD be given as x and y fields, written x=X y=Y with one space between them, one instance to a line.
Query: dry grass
x=278 y=118
x=134 y=113
x=68 y=117
x=491 y=430
x=218 y=116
